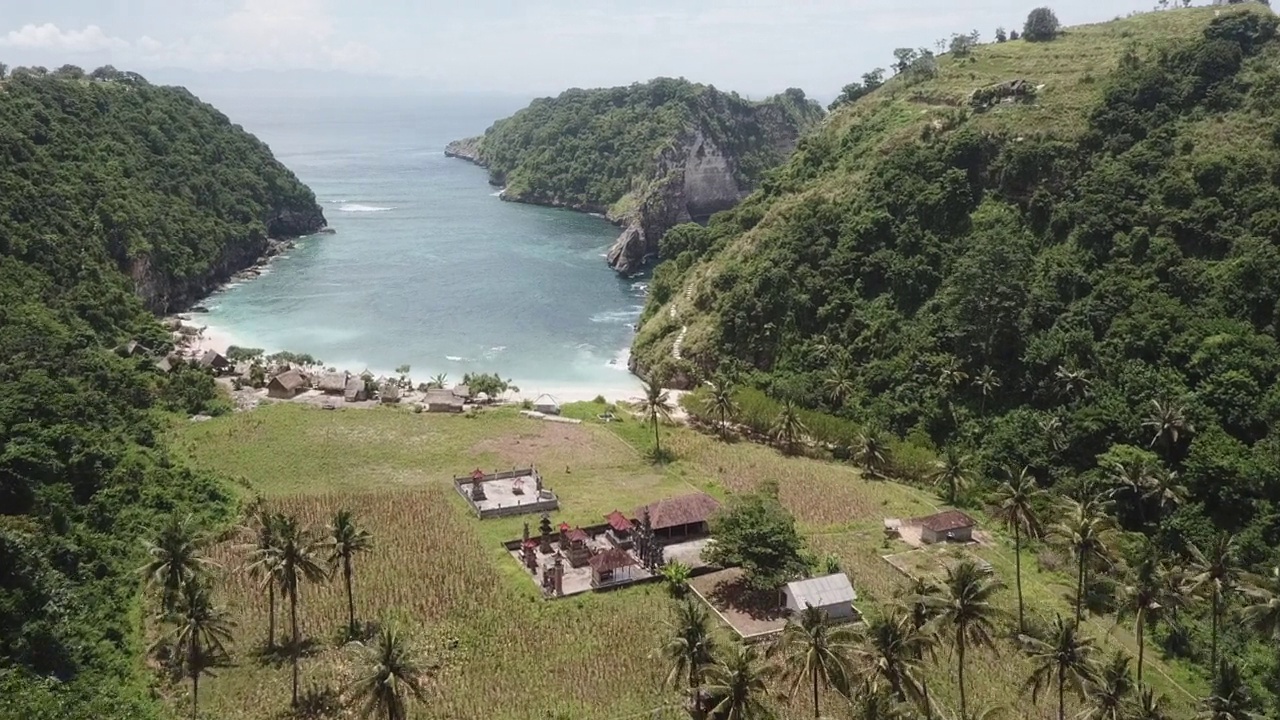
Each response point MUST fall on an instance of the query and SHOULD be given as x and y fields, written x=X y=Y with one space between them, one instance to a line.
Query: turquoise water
x=428 y=267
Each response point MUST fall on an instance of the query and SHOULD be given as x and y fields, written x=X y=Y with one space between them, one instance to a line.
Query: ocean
x=428 y=267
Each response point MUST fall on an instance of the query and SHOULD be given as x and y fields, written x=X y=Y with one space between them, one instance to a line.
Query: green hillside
x=116 y=198
x=1034 y=255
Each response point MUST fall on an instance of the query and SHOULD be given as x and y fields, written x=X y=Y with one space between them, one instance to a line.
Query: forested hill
x=1059 y=255
x=112 y=192
x=140 y=178
x=649 y=155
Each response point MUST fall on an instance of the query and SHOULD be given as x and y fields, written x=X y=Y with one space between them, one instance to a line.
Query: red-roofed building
x=946 y=526
x=620 y=528
x=575 y=545
x=611 y=567
x=477 y=474
x=680 y=516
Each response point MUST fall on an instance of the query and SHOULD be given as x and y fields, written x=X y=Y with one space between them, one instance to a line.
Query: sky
x=524 y=47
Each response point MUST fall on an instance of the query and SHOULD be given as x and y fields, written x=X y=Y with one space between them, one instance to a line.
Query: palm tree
x=838 y=384
x=438 y=381
x=390 y=673
x=345 y=540
x=923 y=600
x=1147 y=706
x=689 y=647
x=1072 y=383
x=1168 y=424
x=1109 y=695
x=1165 y=489
x=873 y=702
x=952 y=471
x=1133 y=479
x=1263 y=614
x=175 y=556
x=1142 y=600
x=987 y=383
x=893 y=652
x=1013 y=505
x=814 y=649
x=1216 y=577
x=200 y=634
x=675 y=575
x=263 y=526
x=1086 y=531
x=1230 y=698
x=965 y=610
x=788 y=428
x=1063 y=658
x=871 y=453
x=297 y=562
x=1053 y=430
x=951 y=374
x=736 y=685
x=655 y=406
x=720 y=401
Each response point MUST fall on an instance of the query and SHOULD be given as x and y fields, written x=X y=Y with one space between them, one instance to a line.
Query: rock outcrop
x=466 y=149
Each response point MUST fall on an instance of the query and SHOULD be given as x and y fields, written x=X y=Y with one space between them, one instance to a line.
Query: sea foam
x=359 y=208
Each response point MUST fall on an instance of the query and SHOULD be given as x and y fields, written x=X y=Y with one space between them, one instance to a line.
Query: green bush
x=1041 y=25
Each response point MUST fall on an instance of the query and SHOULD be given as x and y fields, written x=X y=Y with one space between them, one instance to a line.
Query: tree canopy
x=758 y=534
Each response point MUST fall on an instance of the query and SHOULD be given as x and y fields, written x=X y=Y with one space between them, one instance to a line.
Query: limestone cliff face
x=466 y=149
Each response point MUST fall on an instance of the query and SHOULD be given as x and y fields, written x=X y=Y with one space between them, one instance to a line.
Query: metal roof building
x=833 y=594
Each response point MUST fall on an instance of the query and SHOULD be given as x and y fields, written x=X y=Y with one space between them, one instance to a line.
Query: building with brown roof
x=946 y=526
x=619 y=532
x=611 y=567
x=334 y=383
x=214 y=361
x=286 y=385
x=679 y=516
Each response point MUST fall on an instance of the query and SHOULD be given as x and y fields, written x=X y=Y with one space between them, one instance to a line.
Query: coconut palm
x=720 y=401
x=870 y=452
x=200 y=634
x=1168 y=424
x=1147 y=706
x=390 y=673
x=965 y=612
x=347 y=539
x=812 y=648
x=1013 y=505
x=874 y=702
x=1215 y=577
x=952 y=473
x=892 y=654
x=1263 y=612
x=689 y=647
x=1109 y=695
x=675 y=575
x=1141 y=599
x=655 y=406
x=262 y=526
x=922 y=600
x=736 y=685
x=438 y=381
x=1132 y=479
x=1087 y=533
x=1072 y=383
x=987 y=383
x=788 y=428
x=1063 y=659
x=1165 y=489
x=175 y=555
x=838 y=384
x=1230 y=698
x=951 y=374
x=1053 y=430
x=1173 y=593
x=298 y=562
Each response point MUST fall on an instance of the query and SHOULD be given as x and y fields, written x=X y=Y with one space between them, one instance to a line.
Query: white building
x=546 y=404
x=832 y=594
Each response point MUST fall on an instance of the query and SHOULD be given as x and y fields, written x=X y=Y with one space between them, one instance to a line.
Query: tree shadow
x=756 y=604
x=315 y=703
x=365 y=631
x=282 y=653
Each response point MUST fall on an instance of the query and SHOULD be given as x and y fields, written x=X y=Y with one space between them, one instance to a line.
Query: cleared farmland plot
x=502 y=651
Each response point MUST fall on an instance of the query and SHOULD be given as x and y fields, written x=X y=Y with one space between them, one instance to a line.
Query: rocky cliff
x=649 y=156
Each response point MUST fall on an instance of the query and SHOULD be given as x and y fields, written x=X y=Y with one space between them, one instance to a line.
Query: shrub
x=1042 y=25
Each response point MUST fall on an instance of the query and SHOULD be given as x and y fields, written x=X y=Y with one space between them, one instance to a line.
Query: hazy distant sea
x=428 y=267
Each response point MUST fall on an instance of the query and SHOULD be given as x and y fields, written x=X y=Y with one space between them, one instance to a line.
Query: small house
x=355 y=390
x=619 y=532
x=286 y=385
x=334 y=383
x=947 y=526
x=832 y=594
x=165 y=364
x=682 y=516
x=611 y=567
x=214 y=361
x=442 y=401
x=547 y=405
x=462 y=392
x=389 y=391
x=133 y=348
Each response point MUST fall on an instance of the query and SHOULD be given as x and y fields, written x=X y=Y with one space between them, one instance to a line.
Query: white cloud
x=49 y=37
x=290 y=33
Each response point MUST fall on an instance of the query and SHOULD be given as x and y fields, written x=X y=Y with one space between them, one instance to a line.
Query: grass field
x=502 y=651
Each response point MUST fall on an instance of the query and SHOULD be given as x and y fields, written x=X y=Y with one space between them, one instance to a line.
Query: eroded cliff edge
x=648 y=156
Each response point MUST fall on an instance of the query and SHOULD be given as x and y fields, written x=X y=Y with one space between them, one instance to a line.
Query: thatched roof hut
x=334 y=383
x=389 y=391
x=214 y=360
x=355 y=391
x=438 y=400
x=287 y=384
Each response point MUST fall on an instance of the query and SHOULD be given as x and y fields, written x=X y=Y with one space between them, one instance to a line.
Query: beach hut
x=546 y=404
x=389 y=391
x=442 y=401
x=462 y=392
x=165 y=364
x=334 y=383
x=133 y=348
x=356 y=390
x=286 y=385
x=214 y=361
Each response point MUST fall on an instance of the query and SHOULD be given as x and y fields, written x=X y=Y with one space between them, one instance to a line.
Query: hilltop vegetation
x=1057 y=255
x=115 y=197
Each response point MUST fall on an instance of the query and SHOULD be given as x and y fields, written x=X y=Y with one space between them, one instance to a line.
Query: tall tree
x=1166 y=491
x=200 y=634
x=1263 y=611
x=758 y=534
x=1132 y=479
x=736 y=684
x=656 y=406
x=871 y=452
x=1086 y=531
x=262 y=526
x=1147 y=706
x=987 y=383
x=965 y=611
x=1013 y=505
x=1063 y=659
x=812 y=648
x=298 y=563
x=1216 y=577
x=174 y=556
x=952 y=474
x=720 y=402
x=788 y=428
x=346 y=540
x=1168 y=424
x=1141 y=599
x=390 y=673
x=1110 y=693
x=839 y=384
x=689 y=646
x=892 y=653
x=1230 y=698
